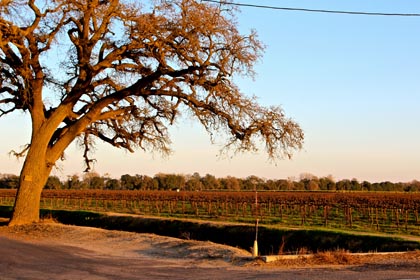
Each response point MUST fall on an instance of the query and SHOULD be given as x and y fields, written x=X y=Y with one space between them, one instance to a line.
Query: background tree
x=170 y=181
x=280 y=185
x=113 y=184
x=309 y=181
x=148 y=183
x=252 y=182
x=230 y=183
x=210 y=182
x=327 y=183
x=92 y=180
x=129 y=182
x=9 y=181
x=355 y=185
x=193 y=182
x=121 y=72
x=344 y=185
x=74 y=182
x=53 y=183
x=413 y=186
x=366 y=186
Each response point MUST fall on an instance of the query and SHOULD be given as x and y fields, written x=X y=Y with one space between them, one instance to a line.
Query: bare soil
x=56 y=251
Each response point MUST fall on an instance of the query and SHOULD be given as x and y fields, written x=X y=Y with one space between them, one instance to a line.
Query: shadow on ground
x=270 y=240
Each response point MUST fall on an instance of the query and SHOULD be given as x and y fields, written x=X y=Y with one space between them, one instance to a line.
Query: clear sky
x=352 y=83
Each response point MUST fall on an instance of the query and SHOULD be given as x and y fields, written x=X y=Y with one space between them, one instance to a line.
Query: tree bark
x=32 y=180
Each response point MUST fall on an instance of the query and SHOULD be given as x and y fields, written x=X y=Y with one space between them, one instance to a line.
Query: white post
x=255 y=249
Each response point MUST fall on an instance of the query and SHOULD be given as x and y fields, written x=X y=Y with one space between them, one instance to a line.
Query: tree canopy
x=122 y=72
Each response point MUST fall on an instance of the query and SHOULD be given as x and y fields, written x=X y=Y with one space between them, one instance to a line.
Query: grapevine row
x=381 y=211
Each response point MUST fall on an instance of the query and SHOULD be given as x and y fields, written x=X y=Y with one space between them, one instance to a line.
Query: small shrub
x=334 y=257
x=48 y=219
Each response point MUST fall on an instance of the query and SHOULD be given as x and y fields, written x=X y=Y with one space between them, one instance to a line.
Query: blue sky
x=351 y=82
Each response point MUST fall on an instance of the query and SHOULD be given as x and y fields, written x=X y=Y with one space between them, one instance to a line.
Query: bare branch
x=127 y=74
x=22 y=153
x=87 y=147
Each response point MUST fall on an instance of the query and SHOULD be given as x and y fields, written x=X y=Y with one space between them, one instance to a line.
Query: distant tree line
x=196 y=182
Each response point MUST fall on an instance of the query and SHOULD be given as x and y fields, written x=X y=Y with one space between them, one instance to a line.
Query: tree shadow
x=4 y=221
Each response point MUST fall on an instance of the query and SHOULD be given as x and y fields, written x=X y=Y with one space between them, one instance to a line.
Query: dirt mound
x=56 y=251
x=118 y=243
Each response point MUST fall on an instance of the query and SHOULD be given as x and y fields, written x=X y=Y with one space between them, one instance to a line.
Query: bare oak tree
x=123 y=72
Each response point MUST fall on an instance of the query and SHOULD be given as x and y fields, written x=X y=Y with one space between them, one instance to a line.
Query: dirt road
x=65 y=252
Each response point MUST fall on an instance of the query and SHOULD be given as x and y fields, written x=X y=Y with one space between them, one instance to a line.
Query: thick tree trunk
x=33 y=178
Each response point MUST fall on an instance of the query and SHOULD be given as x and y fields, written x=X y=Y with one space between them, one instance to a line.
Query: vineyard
x=385 y=212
